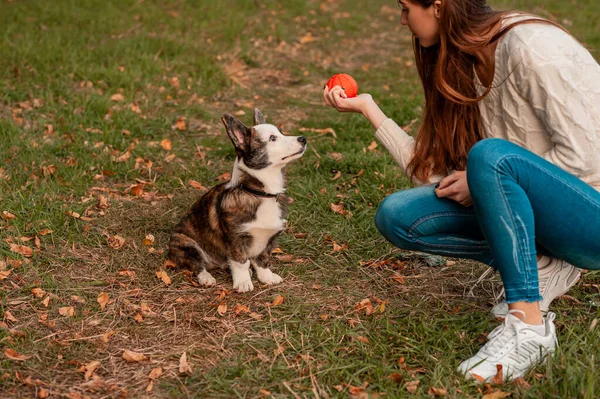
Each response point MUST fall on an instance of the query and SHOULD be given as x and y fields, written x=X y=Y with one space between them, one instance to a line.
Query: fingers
x=335 y=97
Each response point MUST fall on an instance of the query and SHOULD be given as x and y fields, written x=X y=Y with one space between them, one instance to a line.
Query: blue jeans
x=522 y=205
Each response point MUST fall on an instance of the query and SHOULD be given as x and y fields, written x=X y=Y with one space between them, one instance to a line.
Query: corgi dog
x=235 y=223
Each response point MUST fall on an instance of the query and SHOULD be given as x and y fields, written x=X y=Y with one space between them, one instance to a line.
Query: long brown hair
x=451 y=120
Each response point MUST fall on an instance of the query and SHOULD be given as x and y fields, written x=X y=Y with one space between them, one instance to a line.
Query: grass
x=80 y=166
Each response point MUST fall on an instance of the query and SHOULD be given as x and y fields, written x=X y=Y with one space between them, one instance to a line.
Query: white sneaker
x=515 y=345
x=555 y=279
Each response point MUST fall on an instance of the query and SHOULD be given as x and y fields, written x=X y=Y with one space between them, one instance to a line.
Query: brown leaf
x=6 y=215
x=184 y=366
x=161 y=274
x=150 y=386
x=362 y=339
x=46 y=301
x=224 y=176
x=396 y=377
x=107 y=336
x=8 y=316
x=412 y=386
x=521 y=383
x=372 y=146
x=4 y=274
x=241 y=309
x=90 y=368
x=14 y=355
x=277 y=301
x=285 y=258
x=337 y=208
x=498 y=378
x=102 y=299
x=43 y=394
x=116 y=242
x=22 y=250
x=67 y=311
x=138 y=317
x=38 y=292
x=496 y=395
x=166 y=145
x=196 y=185
x=155 y=373
x=148 y=240
x=117 y=97
x=398 y=278
x=132 y=357
x=222 y=308
x=180 y=124
x=437 y=391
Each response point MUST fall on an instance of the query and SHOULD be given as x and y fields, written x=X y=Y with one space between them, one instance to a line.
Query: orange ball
x=346 y=82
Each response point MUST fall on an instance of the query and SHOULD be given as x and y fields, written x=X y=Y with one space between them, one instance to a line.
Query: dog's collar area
x=259 y=193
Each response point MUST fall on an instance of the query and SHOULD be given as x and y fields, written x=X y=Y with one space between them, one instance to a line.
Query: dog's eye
x=273 y=138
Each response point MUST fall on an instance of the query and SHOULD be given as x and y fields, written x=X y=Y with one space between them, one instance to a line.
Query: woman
x=511 y=136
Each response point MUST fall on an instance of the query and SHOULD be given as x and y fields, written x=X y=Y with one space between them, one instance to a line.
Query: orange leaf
x=498 y=378
x=9 y=316
x=117 y=97
x=4 y=274
x=107 y=336
x=412 y=386
x=148 y=240
x=437 y=391
x=131 y=356
x=67 y=311
x=22 y=249
x=222 y=309
x=161 y=274
x=90 y=368
x=166 y=145
x=138 y=317
x=241 y=309
x=102 y=299
x=400 y=279
x=7 y=215
x=196 y=185
x=14 y=355
x=155 y=373
x=180 y=124
x=277 y=301
x=38 y=292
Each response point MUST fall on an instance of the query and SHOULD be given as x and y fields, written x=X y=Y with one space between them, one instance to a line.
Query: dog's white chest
x=268 y=222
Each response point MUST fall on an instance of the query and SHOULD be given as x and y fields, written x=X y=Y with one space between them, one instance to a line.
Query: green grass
x=60 y=64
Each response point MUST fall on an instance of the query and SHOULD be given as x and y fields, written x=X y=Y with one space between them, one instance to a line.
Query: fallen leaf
x=132 y=357
x=496 y=395
x=412 y=386
x=14 y=355
x=117 y=97
x=42 y=393
x=150 y=386
x=498 y=378
x=222 y=309
x=396 y=377
x=241 y=309
x=4 y=274
x=155 y=373
x=184 y=366
x=166 y=145
x=22 y=250
x=9 y=316
x=180 y=124
x=38 y=292
x=362 y=339
x=90 y=368
x=277 y=301
x=148 y=240
x=46 y=301
x=437 y=391
x=161 y=274
x=77 y=299
x=398 y=278
x=107 y=336
x=67 y=311
x=138 y=317
x=102 y=299
x=6 y=215
x=521 y=383
x=196 y=185
x=372 y=146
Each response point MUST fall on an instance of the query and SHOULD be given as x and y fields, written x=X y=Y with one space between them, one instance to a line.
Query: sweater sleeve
x=401 y=146
x=552 y=72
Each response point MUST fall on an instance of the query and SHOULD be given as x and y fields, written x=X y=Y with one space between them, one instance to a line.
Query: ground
x=110 y=129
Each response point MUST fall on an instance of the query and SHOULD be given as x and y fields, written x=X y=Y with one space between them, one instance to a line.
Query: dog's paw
x=266 y=276
x=243 y=286
x=205 y=279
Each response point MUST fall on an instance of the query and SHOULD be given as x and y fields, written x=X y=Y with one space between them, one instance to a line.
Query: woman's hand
x=362 y=104
x=455 y=188
x=337 y=99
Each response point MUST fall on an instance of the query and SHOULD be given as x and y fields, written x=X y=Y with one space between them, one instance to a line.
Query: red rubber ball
x=346 y=82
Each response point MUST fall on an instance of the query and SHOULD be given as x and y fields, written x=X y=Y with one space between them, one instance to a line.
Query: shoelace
x=500 y=335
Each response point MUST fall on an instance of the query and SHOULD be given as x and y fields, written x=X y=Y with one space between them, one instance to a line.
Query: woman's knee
x=485 y=159
x=395 y=216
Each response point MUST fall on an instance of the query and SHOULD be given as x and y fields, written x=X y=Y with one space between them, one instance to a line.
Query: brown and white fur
x=235 y=224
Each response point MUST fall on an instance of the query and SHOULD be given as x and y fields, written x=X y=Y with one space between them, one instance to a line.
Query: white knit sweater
x=545 y=97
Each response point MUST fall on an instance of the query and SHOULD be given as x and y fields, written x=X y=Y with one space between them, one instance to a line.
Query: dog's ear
x=237 y=131
x=259 y=119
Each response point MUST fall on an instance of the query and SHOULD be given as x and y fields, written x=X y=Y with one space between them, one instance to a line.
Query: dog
x=235 y=223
